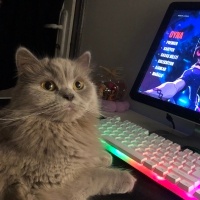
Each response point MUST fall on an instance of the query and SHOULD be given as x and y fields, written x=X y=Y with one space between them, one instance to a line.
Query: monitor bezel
x=153 y=102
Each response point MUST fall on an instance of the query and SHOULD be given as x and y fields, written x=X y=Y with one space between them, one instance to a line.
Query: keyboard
x=158 y=158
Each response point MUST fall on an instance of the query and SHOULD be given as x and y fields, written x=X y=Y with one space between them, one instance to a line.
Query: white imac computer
x=169 y=78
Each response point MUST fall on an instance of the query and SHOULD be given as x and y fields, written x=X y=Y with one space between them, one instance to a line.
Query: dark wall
x=22 y=24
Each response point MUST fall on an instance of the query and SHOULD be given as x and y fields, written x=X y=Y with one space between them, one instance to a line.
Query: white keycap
x=190 y=158
x=186 y=185
x=188 y=151
x=150 y=164
x=160 y=170
x=189 y=164
x=181 y=154
x=181 y=160
x=173 y=178
x=168 y=159
x=186 y=176
x=186 y=169
x=177 y=165
x=138 y=157
x=196 y=173
x=163 y=151
x=154 y=135
x=197 y=194
x=196 y=155
x=158 y=160
x=175 y=146
x=197 y=162
x=172 y=155
x=168 y=142
x=167 y=165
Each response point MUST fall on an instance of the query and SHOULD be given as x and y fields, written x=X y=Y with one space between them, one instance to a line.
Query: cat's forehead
x=59 y=67
x=64 y=69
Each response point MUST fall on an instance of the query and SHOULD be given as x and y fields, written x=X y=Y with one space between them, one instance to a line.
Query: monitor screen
x=170 y=75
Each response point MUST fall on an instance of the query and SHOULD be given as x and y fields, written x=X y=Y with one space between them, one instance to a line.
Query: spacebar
x=136 y=156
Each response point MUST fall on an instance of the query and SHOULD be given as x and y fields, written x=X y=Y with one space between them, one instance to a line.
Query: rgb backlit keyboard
x=158 y=158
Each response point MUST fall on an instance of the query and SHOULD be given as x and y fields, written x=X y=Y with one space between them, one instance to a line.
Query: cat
x=49 y=140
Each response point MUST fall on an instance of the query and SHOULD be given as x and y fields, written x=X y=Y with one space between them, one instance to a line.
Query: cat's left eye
x=78 y=85
x=48 y=85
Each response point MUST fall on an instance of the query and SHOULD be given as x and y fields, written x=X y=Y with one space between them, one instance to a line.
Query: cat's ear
x=84 y=59
x=25 y=60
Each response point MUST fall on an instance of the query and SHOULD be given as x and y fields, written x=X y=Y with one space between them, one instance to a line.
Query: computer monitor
x=169 y=78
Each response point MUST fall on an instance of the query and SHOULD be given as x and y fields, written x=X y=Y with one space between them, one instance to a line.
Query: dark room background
x=22 y=23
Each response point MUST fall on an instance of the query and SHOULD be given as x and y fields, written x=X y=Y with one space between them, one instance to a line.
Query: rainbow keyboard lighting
x=158 y=158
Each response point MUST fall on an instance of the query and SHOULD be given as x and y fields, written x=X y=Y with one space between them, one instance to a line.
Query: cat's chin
x=69 y=115
x=69 y=108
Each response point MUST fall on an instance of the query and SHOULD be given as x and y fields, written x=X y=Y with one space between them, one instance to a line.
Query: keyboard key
x=197 y=194
x=150 y=164
x=186 y=169
x=174 y=178
x=168 y=160
x=196 y=155
x=153 y=135
x=190 y=159
x=175 y=146
x=188 y=151
x=163 y=150
x=197 y=162
x=167 y=165
x=160 y=170
x=189 y=164
x=162 y=139
x=158 y=160
x=138 y=157
x=180 y=160
x=168 y=142
x=177 y=165
x=196 y=173
x=186 y=176
x=181 y=154
x=160 y=155
x=172 y=155
x=186 y=185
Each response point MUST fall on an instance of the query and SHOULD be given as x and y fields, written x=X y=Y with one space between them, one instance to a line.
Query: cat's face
x=59 y=89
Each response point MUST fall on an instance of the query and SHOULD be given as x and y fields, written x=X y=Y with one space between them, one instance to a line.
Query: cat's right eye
x=48 y=85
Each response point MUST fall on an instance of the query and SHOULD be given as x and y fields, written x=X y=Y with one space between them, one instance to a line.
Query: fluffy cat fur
x=49 y=146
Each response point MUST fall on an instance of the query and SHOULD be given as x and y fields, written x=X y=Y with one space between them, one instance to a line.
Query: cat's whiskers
x=52 y=108
x=32 y=112
x=29 y=109
x=90 y=111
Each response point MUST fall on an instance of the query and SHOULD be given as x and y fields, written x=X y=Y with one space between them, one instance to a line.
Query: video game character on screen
x=189 y=80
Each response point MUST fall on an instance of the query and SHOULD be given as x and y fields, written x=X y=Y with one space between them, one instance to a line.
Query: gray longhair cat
x=49 y=142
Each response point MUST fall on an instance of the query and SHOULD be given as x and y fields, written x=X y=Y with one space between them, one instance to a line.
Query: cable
x=170 y=119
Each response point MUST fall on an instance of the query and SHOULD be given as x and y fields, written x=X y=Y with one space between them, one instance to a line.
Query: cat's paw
x=126 y=182
x=103 y=160
x=118 y=181
x=106 y=159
